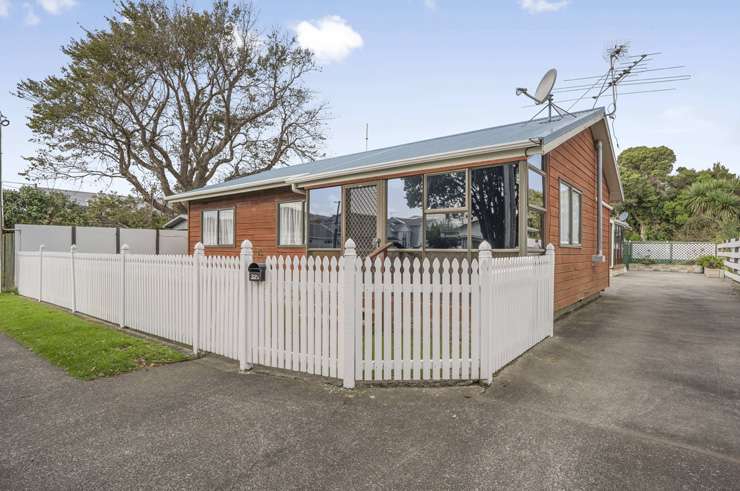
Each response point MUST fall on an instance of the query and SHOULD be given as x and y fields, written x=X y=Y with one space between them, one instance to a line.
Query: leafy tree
x=106 y=210
x=30 y=204
x=169 y=98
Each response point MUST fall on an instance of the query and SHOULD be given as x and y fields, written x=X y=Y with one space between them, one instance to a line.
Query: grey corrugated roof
x=497 y=135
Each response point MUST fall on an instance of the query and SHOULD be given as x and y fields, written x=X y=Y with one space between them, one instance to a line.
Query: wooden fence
x=730 y=251
x=342 y=317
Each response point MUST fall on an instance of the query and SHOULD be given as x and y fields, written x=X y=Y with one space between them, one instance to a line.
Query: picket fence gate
x=346 y=317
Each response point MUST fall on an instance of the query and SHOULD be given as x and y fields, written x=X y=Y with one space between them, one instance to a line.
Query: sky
x=415 y=69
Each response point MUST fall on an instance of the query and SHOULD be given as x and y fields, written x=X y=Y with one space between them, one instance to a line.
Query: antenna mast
x=367 y=132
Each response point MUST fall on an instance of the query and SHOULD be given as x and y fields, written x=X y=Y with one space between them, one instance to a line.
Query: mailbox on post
x=256 y=272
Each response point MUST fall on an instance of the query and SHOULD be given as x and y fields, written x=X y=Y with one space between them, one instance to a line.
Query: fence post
x=245 y=328
x=124 y=251
x=41 y=272
x=670 y=253
x=485 y=264
x=550 y=253
x=347 y=289
x=72 y=251
x=197 y=256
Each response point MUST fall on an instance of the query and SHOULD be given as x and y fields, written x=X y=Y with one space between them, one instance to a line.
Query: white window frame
x=303 y=223
x=572 y=193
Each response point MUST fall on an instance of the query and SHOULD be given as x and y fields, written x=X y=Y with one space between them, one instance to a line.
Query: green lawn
x=85 y=349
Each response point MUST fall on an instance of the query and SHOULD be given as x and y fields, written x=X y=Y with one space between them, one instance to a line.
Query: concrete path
x=640 y=389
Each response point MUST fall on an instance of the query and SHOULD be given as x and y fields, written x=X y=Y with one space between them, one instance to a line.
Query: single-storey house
x=519 y=186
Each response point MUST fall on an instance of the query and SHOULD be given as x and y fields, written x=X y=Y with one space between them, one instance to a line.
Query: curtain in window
x=226 y=227
x=210 y=227
x=291 y=223
x=576 y=223
x=564 y=214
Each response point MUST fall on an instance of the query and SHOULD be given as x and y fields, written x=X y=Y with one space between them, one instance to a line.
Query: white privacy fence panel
x=160 y=295
x=730 y=252
x=670 y=251
x=341 y=317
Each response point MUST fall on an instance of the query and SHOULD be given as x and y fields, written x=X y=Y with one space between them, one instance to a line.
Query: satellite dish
x=545 y=86
x=623 y=216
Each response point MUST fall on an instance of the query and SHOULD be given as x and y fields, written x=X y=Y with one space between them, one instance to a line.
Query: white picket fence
x=341 y=317
x=730 y=251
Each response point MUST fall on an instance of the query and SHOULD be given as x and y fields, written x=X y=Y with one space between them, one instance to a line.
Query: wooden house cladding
x=255 y=218
x=577 y=276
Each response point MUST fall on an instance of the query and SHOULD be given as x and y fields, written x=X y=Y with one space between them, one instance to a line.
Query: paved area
x=640 y=389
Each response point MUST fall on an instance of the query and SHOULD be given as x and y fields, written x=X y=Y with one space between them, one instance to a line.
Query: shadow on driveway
x=639 y=389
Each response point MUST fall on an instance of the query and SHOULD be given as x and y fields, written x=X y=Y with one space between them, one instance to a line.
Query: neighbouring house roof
x=82 y=198
x=177 y=223
x=538 y=134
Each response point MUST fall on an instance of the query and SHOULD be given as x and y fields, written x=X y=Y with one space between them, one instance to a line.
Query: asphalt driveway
x=640 y=389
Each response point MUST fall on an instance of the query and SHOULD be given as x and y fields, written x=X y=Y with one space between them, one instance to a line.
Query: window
x=290 y=223
x=570 y=215
x=494 y=206
x=218 y=227
x=536 y=202
x=446 y=191
x=404 y=219
x=325 y=218
x=446 y=231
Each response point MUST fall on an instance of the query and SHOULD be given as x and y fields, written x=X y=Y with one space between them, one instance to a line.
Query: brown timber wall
x=255 y=219
x=577 y=277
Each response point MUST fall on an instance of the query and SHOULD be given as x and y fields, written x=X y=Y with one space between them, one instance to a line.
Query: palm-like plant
x=714 y=198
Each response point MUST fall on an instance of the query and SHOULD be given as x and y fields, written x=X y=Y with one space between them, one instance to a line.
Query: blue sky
x=416 y=69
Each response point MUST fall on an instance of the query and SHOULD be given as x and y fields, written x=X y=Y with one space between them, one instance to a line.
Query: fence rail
x=342 y=317
x=730 y=251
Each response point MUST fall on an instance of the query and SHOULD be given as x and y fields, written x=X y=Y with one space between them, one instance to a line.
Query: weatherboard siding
x=577 y=277
x=255 y=219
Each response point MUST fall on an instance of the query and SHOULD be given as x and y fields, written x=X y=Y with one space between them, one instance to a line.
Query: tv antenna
x=625 y=71
x=543 y=95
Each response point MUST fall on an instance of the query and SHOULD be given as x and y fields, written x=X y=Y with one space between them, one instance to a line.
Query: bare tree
x=169 y=99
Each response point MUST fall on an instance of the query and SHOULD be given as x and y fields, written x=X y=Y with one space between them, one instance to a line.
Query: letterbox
x=256 y=272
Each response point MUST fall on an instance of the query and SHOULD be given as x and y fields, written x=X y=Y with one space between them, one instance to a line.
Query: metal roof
x=522 y=134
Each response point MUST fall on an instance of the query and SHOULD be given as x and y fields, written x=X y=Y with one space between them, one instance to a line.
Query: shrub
x=711 y=262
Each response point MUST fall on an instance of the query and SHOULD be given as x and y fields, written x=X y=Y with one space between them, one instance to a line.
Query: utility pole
x=3 y=123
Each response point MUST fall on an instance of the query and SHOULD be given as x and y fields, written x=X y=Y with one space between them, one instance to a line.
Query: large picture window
x=570 y=215
x=494 y=206
x=290 y=223
x=404 y=218
x=325 y=218
x=218 y=227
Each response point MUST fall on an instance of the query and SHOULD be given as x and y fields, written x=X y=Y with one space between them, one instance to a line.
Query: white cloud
x=4 y=8
x=430 y=4
x=330 y=38
x=30 y=19
x=55 y=7
x=540 y=6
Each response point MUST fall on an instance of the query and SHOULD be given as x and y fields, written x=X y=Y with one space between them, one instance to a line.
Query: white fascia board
x=586 y=123
x=357 y=172
x=275 y=182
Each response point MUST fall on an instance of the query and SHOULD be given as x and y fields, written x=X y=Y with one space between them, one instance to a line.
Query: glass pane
x=446 y=190
x=446 y=231
x=291 y=223
x=535 y=228
x=403 y=225
x=576 y=227
x=536 y=187
x=494 y=195
x=324 y=218
x=564 y=214
x=226 y=227
x=210 y=227
x=535 y=161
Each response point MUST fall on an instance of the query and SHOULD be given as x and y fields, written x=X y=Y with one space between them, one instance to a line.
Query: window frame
x=218 y=211
x=536 y=208
x=422 y=236
x=571 y=190
x=303 y=224
x=343 y=203
x=425 y=210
